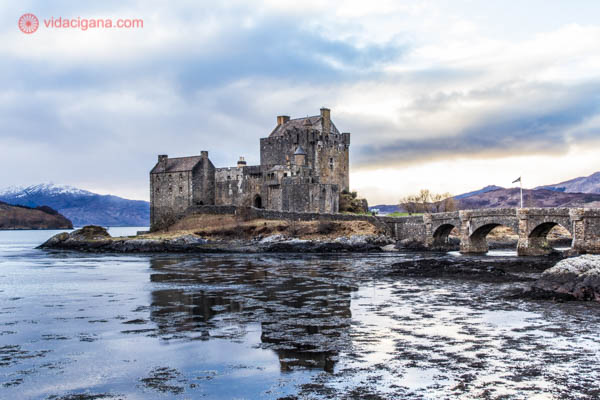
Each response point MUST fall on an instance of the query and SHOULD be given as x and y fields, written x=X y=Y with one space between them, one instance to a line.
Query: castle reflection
x=304 y=313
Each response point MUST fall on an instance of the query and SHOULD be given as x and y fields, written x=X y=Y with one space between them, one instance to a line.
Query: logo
x=28 y=23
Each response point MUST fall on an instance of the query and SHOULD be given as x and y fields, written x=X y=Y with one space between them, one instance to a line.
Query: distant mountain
x=583 y=184
x=501 y=198
x=21 y=217
x=476 y=192
x=81 y=206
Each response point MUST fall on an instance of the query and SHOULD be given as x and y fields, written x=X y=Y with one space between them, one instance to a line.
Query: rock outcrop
x=576 y=278
x=97 y=239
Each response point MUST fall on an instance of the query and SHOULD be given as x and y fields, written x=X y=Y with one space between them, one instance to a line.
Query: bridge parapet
x=444 y=215
x=488 y=212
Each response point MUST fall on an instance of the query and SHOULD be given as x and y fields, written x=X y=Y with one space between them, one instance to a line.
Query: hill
x=81 y=206
x=486 y=189
x=583 y=184
x=21 y=217
x=502 y=198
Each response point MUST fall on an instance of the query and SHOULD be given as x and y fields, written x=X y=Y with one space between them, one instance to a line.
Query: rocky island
x=228 y=234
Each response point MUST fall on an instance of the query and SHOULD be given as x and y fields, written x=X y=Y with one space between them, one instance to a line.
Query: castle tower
x=299 y=156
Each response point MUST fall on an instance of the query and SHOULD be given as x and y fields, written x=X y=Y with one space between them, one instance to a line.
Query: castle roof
x=178 y=164
x=313 y=122
x=299 y=151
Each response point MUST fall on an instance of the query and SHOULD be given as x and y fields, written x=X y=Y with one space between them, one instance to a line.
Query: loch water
x=268 y=326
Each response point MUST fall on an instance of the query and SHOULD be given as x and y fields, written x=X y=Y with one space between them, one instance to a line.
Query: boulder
x=576 y=278
x=90 y=232
x=90 y=236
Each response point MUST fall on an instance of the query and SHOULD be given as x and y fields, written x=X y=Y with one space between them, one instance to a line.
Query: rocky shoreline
x=576 y=278
x=96 y=239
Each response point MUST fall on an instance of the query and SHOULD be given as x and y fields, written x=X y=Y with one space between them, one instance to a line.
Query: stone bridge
x=531 y=224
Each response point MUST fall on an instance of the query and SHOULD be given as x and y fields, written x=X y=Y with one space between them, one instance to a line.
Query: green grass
x=355 y=213
x=400 y=214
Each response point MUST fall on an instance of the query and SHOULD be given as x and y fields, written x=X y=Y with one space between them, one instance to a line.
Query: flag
x=517 y=180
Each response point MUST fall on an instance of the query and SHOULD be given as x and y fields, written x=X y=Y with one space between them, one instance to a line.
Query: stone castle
x=303 y=168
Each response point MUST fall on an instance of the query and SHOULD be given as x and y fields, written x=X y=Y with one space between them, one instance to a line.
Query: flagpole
x=521 y=184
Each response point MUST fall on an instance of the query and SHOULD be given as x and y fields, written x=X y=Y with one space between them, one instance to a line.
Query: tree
x=410 y=204
x=427 y=202
x=442 y=202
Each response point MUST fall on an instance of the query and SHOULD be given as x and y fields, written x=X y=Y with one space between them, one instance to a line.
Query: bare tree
x=409 y=203
x=426 y=201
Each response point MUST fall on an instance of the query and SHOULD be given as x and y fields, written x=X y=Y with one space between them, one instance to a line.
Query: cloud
x=414 y=82
x=530 y=119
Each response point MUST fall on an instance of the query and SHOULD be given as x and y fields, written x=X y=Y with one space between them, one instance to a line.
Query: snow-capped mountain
x=47 y=188
x=82 y=207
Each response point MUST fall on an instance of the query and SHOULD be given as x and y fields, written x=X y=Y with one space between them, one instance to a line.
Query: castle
x=303 y=168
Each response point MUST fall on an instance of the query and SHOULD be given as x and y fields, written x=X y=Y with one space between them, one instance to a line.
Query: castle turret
x=299 y=156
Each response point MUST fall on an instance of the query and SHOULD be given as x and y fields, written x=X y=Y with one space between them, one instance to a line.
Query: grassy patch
x=402 y=214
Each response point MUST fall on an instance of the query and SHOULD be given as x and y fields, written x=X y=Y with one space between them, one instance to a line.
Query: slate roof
x=299 y=151
x=301 y=123
x=178 y=164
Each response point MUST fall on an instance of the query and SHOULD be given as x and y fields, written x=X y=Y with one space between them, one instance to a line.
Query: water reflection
x=304 y=313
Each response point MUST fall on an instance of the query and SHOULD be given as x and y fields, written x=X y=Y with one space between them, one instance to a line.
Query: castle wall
x=170 y=195
x=332 y=160
x=309 y=197
x=203 y=182
x=234 y=185
x=327 y=154
x=278 y=150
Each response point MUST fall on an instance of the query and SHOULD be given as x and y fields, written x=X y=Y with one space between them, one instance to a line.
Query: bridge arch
x=477 y=240
x=536 y=242
x=442 y=233
x=543 y=229
x=481 y=223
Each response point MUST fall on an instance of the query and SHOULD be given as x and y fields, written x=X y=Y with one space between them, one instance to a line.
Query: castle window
x=228 y=177
x=331 y=163
x=170 y=190
x=180 y=189
x=180 y=176
x=157 y=190
x=284 y=174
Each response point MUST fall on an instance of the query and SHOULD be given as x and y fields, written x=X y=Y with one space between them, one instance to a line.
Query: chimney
x=204 y=154
x=241 y=162
x=282 y=119
x=162 y=157
x=326 y=120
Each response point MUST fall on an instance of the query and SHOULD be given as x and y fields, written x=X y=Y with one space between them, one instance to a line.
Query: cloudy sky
x=449 y=95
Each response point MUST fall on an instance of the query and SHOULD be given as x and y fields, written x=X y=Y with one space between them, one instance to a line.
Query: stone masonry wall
x=171 y=195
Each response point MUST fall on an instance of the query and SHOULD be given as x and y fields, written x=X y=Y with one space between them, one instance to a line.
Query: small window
x=157 y=190
x=180 y=176
x=170 y=190
x=180 y=189
x=285 y=174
